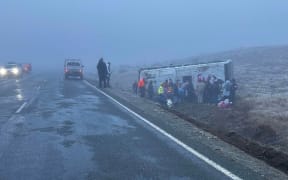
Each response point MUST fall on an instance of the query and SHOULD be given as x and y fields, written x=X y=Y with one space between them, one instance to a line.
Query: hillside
x=262 y=77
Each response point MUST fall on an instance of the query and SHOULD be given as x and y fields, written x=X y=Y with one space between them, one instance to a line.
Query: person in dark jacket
x=135 y=87
x=102 y=72
x=150 y=90
x=191 y=92
x=233 y=88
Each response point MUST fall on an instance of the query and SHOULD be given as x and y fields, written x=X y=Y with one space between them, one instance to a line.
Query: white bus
x=190 y=72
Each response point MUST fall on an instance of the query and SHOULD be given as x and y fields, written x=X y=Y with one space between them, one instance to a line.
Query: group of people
x=210 y=90
x=104 y=73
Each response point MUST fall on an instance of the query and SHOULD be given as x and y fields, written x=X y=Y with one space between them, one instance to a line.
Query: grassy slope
x=263 y=87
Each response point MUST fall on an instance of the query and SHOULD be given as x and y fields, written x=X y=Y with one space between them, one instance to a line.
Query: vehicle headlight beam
x=15 y=71
x=3 y=71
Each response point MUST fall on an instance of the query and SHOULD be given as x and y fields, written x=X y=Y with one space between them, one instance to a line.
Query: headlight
x=3 y=71
x=15 y=71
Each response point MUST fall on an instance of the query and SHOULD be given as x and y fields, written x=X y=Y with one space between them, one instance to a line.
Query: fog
x=134 y=32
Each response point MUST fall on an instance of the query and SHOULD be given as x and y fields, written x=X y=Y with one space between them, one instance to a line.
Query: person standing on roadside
x=135 y=87
x=227 y=90
x=234 y=87
x=150 y=90
x=108 y=74
x=200 y=88
x=161 y=94
x=141 y=87
x=102 y=72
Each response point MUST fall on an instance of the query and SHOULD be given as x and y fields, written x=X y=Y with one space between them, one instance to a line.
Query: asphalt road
x=14 y=92
x=69 y=131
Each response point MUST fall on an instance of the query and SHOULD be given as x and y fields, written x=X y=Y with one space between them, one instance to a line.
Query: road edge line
x=21 y=108
x=174 y=139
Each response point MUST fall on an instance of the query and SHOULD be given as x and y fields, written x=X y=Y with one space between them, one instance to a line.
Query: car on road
x=11 y=70
x=27 y=67
x=73 y=68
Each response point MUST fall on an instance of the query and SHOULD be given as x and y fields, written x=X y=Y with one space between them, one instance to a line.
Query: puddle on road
x=68 y=143
x=67 y=122
x=64 y=129
x=77 y=103
x=19 y=94
x=66 y=103
x=47 y=113
x=78 y=157
x=108 y=125
x=45 y=129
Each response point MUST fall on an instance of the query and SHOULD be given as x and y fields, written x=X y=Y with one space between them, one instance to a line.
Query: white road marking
x=177 y=141
x=26 y=103
x=21 y=107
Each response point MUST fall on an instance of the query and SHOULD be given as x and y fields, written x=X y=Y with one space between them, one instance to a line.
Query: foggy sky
x=130 y=31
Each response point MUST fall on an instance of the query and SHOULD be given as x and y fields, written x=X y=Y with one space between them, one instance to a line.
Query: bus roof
x=185 y=65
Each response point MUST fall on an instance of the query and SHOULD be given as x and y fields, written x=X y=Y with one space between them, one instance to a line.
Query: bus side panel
x=158 y=76
x=221 y=70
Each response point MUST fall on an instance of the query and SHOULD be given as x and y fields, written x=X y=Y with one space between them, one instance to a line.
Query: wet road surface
x=14 y=92
x=70 y=131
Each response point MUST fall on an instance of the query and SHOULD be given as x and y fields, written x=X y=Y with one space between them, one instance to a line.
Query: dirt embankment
x=258 y=122
x=234 y=127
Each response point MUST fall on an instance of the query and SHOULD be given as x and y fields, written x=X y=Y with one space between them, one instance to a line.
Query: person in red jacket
x=141 y=87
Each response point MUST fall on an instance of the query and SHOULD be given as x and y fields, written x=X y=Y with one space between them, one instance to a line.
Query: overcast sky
x=134 y=31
